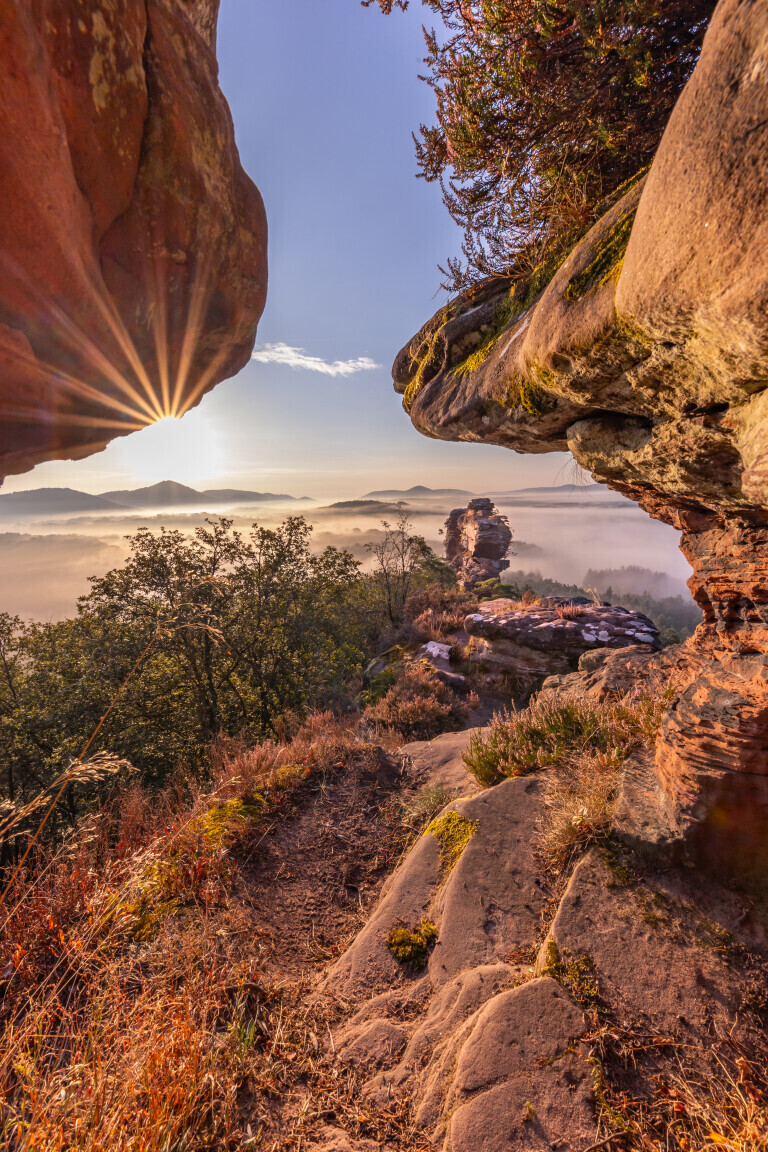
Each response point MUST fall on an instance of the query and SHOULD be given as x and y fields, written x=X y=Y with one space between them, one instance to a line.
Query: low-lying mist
x=572 y=537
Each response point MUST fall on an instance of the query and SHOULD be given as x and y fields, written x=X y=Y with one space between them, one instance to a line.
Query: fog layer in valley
x=568 y=534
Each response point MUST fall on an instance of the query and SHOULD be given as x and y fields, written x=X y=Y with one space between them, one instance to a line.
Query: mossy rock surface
x=411 y=947
x=453 y=832
x=607 y=260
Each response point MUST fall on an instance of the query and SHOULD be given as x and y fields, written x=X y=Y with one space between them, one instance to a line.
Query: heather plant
x=419 y=706
x=544 y=109
x=549 y=734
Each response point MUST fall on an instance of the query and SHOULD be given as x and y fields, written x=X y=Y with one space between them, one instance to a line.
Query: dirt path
x=319 y=867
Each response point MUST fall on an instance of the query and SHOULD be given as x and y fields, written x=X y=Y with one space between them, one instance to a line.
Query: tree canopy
x=544 y=108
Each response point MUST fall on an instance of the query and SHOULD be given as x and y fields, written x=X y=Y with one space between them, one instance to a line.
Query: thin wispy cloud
x=298 y=358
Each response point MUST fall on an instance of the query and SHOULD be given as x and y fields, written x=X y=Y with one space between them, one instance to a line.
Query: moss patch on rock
x=607 y=261
x=453 y=832
x=507 y=311
x=427 y=356
x=411 y=947
x=520 y=393
x=576 y=974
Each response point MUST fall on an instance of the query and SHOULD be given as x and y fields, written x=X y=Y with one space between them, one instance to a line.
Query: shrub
x=438 y=612
x=544 y=109
x=419 y=706
x=549 y=734
x=492 y=589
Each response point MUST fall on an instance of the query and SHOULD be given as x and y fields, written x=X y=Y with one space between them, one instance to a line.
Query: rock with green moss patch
x=411 y=947
x=453 y=832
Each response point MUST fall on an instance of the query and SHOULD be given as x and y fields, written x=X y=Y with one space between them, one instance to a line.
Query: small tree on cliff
x=544 y=109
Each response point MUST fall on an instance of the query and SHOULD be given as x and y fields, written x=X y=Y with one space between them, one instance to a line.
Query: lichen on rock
x=453 y=832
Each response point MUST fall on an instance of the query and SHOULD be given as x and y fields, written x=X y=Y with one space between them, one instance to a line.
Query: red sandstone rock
x=653 y=373
x=477 y=540
x=132 y=244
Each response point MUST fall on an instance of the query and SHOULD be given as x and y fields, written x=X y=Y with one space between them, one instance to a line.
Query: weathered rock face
x=647 y=356
x=550 y=637
x=132 y=244
x=489 y=1041
x=477 y=540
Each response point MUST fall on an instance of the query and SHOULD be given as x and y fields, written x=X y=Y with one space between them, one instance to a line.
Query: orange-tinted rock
x=477 y=540
x=649 y=360
x=132 y=244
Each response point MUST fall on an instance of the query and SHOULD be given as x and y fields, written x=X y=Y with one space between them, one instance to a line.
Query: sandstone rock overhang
x=133 y=247
x=646 y=355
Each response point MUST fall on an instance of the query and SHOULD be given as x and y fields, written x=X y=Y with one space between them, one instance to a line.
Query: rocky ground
x=576 y=1011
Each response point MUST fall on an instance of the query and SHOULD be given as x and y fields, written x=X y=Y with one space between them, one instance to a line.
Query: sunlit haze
x=355 y=240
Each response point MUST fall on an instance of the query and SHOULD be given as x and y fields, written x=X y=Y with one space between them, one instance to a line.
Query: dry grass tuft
x=425 y=806
x=715 y=1101
x=570 y=611
x=130 y=1011
x=582 y=744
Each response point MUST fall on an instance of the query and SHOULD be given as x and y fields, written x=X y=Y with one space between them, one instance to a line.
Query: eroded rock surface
x=550 y=637
x=647 y=356
x=132 y=243
x=494 y=1045
x=477 y=540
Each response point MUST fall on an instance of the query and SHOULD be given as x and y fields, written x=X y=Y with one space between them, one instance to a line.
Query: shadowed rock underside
x=132 y=243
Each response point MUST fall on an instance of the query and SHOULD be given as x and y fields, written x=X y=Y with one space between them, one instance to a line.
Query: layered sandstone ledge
x=132 y=243
x=646 y=355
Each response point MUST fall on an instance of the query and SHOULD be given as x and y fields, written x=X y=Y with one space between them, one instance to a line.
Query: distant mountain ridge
x=169 y=493
x=417 y=490
x=166 y=494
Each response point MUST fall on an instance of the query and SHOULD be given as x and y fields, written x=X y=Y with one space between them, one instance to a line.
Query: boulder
x=133 y=245
x=477 y=540
x=646 y=355
x=549 y=638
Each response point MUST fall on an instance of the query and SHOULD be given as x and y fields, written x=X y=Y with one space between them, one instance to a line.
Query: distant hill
x=557 y=490
x=359 y=504
x=169 y=494
x=50 y=501
x=417 y=490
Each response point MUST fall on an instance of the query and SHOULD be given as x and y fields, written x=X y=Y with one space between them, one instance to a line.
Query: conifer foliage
x=544 y=109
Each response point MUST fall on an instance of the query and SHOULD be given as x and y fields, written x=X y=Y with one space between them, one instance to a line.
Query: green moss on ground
x=576 y=974
x=453 y=832
x=410 y=947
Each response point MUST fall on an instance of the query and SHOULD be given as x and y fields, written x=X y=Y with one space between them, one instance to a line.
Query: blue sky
x=324 y=98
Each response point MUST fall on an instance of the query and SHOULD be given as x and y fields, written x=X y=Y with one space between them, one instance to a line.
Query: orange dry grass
x=107 y=1044
x=130 y=1014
